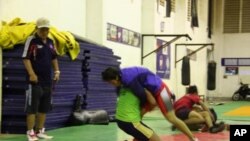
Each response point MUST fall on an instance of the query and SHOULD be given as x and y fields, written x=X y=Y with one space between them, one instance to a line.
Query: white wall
x=63 y=14
x=200 y=35
x=235 y=45
x=177 y=24
x=126 y=14
x=148 y=27
x=227 y=45
x=152 y=16
x=122 y=13
x=142 y=16
x=94 y=20
x=180 y=25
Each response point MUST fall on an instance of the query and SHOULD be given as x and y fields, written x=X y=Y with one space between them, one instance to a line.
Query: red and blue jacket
x=138 y=78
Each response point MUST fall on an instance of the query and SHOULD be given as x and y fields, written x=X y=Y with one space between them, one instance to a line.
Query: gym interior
x=185 y=42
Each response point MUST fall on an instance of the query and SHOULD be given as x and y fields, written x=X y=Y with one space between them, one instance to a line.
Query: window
x=173 y=5
x=189 y=10
x=237 y=16
x=245 y=28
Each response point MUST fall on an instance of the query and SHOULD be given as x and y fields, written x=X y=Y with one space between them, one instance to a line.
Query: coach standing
x=39 y=56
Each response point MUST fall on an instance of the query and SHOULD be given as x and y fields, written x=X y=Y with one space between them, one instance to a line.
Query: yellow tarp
x=242 y=111
x=17 y=31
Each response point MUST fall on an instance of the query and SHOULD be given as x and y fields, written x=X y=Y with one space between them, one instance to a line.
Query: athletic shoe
x=220 y=123
x=41 y=134
x=173 y=128
x=217 y=128
x=31 y=135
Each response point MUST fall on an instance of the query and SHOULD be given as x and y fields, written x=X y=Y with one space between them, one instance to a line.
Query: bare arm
x=204 y=106
x=151 y=103
x=197 y=108
x=55 y=65
x=56 y=69
x=28 y=66
x=150 y=99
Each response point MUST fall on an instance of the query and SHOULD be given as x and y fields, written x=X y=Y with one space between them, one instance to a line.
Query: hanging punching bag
x=211 y=75
x=185 y=71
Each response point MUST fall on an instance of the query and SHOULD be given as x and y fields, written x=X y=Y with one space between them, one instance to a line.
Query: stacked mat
x=14 y=87
x=65 y=92
x=99 y=94
x=79 y=77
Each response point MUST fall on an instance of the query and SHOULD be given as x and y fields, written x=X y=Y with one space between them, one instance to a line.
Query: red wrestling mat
x=222 y=136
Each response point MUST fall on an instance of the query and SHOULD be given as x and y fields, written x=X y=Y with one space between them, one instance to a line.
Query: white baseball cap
x=42 y=22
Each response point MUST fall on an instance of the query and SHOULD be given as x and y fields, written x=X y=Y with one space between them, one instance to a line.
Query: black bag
x=80 y=117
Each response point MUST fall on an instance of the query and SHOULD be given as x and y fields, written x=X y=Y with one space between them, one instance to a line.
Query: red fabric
x=186 y=101
x=159 y=100
x=161 y=104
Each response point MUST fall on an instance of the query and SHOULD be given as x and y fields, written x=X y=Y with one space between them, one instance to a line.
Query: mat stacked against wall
x=96 y=58
x=81 y=76
x=99 y=94
x=14 y=87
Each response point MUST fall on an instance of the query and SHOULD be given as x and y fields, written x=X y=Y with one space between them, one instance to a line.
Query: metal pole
x=142 y=49
x=168 y=35
x=161 y=35
x=160 y=47
x=203 y=46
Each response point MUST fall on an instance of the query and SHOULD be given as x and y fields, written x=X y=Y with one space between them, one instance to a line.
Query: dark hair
x=110 y=74
x=192 y=89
